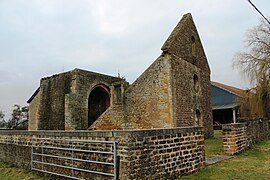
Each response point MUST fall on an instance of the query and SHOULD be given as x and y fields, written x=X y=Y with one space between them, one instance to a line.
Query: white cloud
x=111 y=16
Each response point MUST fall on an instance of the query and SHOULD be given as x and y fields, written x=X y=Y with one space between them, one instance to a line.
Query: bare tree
x=254 y=62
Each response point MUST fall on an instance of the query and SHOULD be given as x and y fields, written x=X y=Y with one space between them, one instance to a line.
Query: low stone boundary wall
x=240 y=136
x=234 y=138
x=257 y=129
x=144 y=154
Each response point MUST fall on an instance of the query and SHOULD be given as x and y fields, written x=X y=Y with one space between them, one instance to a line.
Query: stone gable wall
x=191 y=101
x=34 y=112
x=144 y=154
x=148 y=99
x=180 y=43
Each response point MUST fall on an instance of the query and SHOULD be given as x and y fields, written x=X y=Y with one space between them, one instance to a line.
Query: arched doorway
x=98 y=102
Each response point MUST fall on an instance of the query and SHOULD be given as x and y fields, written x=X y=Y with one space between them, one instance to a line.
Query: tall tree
x=2 y=120
x=254 y=62
x=19 y=118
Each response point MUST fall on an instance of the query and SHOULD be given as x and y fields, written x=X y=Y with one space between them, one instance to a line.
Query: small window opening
x=196 y=83
x=198 y=118
x=118 y=94
x=193 y=46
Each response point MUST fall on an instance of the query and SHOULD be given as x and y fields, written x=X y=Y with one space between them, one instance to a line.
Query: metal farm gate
x=75 y=159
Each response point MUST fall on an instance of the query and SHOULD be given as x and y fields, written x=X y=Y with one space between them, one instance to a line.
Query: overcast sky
x=44 y=37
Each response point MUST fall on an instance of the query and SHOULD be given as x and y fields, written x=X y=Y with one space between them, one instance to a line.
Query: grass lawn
x=252 y=164
x=8 y=172
x=214 y=146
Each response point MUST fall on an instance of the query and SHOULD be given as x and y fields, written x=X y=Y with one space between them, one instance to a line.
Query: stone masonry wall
x=206 y=104
x=34 y=112
x=115 y=116
x=184 y=42
x=52 y=100
x=234 y=138
x=62 y=100
x=257 y=129
x=112 y=118
x=76 y=104
x=149 y=99
x=165 y=154
x=190 y=74
x=240 y=136
x=187 y=99
x=144 y=154
x=184 y=106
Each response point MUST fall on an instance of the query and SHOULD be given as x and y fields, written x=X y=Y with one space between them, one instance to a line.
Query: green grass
x=214 y=146
x=252 y=164
x=8 y=172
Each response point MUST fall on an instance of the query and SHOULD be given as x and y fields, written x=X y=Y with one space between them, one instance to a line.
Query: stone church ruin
x=173 y=92
x=157 y=124
x=86 y=125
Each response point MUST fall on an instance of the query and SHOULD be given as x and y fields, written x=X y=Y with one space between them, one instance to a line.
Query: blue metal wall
x=221 y=97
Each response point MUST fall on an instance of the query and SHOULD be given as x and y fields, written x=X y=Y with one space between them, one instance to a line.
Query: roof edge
x=221 y=86
x=33 y=95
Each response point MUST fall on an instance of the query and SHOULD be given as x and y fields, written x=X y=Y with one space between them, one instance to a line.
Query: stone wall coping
x=104 y=133
x=233 y=125
x=251 y=119
x=244 y=120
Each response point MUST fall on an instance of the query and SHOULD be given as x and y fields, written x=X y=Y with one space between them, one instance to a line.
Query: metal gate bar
x=36 y=141
x=75 y=159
